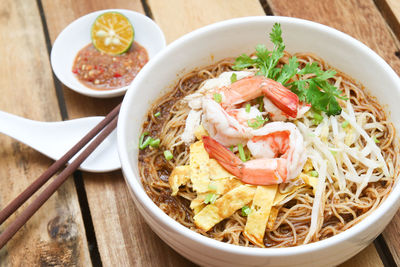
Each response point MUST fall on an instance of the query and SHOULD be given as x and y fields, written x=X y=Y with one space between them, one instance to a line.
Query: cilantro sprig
x=315 y=89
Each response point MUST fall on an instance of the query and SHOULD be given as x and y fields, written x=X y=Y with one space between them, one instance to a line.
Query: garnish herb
x=315 y=89
x=217 y=97
x=149 y=141
x=231 y=148
x=210 y=198
x=233 y=77
x=168 y=155
x=345 y=124
x=146 y=143
x=141 y=139
x=257 y=122
x=317 y=117
x=157 y=114
x=212 y=187
x=242 y=155
x=260 y=103
x=314 y=173
x=248 y=106
x=155 y=142
x=265 y=60
x=375 y=139
x=246 y=210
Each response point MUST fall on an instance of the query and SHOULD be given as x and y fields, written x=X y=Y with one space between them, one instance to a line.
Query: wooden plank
x=369 y=257
x=391 y=11
x=356 y=18
x=177 y=17
x=123 y=238
x=55 y=235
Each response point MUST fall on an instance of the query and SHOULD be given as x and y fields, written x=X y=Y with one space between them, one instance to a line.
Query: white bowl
x=77 y=35
x=231 y=38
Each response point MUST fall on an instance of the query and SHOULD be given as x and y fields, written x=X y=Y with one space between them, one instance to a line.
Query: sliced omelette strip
x=272 y=218
x=219 y=187
x=224 y=207
x=179 y=176
x=260 y=209
x=199 y=170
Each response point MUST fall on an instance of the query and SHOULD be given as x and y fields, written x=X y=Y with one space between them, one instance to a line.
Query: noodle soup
x=220 y=41
x=290 y=218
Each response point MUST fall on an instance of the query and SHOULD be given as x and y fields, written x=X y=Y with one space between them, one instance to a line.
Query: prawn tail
x=222 y=155
x=282 y=97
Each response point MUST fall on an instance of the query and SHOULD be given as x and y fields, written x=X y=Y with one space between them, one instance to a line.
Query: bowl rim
x=140 y=196
x=85 y=90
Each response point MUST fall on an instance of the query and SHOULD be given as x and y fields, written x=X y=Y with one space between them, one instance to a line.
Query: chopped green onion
x=155 y=142
x=314 y=173
x=168 y=155
x=375 y=139
x=333 y=152
x=231 y=148
x=242 y=156
x=146 y=143
x=246 y=211
x=212 y=187
x=210 y=198
x=157 y=114
x=233 y=77
x=260 y=103
x=317 y=117
x=141 y=138
x=248 y=106
x=257 y=122
x=217 y=97
x=345 y=124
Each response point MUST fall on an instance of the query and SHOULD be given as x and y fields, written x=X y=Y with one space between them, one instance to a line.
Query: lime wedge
x=112 y=33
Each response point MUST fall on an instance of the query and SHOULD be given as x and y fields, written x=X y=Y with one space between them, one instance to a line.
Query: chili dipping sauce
x=101 y=71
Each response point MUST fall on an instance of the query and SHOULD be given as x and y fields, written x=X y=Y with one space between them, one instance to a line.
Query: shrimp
x=252 y=87
x=222 y=126
x=275 y=114
x=278 y=150
x=227 y=123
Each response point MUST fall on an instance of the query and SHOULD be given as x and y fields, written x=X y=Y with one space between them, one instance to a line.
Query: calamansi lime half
x=112 y=33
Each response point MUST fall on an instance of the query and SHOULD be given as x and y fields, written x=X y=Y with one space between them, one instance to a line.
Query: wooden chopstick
x=109 y=123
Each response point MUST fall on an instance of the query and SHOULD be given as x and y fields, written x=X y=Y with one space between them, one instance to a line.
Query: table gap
x=147 y=9
x=384 y=251
x=87 y=219
x=390 y=19
x=78 y=181
x=59 y=92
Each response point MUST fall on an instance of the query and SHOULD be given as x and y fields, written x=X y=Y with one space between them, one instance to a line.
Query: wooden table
x=91 y=220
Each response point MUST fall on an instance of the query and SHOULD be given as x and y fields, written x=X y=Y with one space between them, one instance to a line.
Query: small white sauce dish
x=77 y=35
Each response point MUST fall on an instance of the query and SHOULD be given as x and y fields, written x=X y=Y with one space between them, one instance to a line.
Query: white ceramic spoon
x=54 y=139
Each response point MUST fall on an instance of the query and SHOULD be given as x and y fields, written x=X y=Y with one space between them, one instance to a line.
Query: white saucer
x=77 y=35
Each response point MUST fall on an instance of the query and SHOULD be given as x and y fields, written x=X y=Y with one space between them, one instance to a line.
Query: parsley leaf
x=315 y=89
x=264 y=60
x=288 y=71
